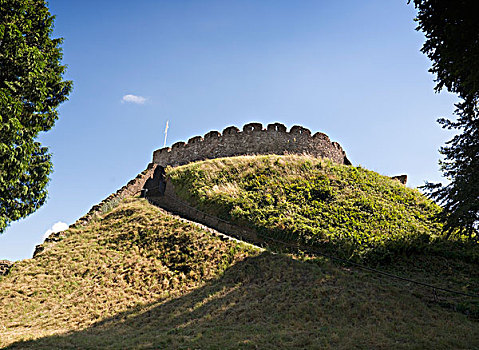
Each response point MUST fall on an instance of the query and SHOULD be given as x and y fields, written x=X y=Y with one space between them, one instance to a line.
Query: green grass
x=139 y=278
x=348 y=211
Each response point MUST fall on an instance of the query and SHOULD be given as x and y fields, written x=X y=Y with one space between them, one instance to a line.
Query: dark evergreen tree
x=31 y=88
x=452 y=43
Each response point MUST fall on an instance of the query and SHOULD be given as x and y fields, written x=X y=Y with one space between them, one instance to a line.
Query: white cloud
x=57 y=227
x=133 y=99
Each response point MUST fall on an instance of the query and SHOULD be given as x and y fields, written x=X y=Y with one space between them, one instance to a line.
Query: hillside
x=132 y=256
x=350 y=212
x=138 y=277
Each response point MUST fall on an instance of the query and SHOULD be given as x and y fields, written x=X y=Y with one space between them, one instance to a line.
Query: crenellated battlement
x=253 y=139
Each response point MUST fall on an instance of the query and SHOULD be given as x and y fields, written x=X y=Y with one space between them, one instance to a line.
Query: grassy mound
x=139 y=278
x=275 y=302
x=349 y=211
x=134 y=255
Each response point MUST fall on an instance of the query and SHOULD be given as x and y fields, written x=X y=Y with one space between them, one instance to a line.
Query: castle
x=253 y=139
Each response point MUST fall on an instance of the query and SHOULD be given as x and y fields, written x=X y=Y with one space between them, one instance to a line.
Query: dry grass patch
x=276 y=302
x=133 y=255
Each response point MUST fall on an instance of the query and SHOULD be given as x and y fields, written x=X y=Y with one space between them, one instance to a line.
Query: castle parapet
x=252 y=127
x=276 y=127
x=299 y=130
x=231 y=130
x=253 y=139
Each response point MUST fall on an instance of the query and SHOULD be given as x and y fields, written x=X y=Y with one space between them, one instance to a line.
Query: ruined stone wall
x=172 y=203
x=253 y=139
x=132 y=188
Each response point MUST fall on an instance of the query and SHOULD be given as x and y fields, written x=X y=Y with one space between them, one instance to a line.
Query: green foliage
x=31 y=88
x=350 y=211
x=452 y=32
x=110 y=205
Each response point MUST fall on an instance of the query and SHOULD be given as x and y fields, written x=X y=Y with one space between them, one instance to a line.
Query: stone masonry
x=253 y=139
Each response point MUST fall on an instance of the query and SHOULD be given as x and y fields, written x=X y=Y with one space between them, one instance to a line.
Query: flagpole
x=166 y=133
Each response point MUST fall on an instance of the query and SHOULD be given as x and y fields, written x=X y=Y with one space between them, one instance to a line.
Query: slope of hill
x=349 y=211
x=134 y=255
x=138 y=277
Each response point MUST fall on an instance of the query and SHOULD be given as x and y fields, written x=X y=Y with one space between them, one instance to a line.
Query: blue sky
x=351 y=69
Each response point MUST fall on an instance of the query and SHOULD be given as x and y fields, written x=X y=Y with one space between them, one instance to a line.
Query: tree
x=31 y=88
x=452 y=43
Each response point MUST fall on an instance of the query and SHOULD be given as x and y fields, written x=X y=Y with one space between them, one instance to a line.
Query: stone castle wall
x=253 y=139
x=132 y=188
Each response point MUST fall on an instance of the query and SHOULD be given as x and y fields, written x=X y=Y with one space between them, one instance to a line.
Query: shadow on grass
x=273 y=301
